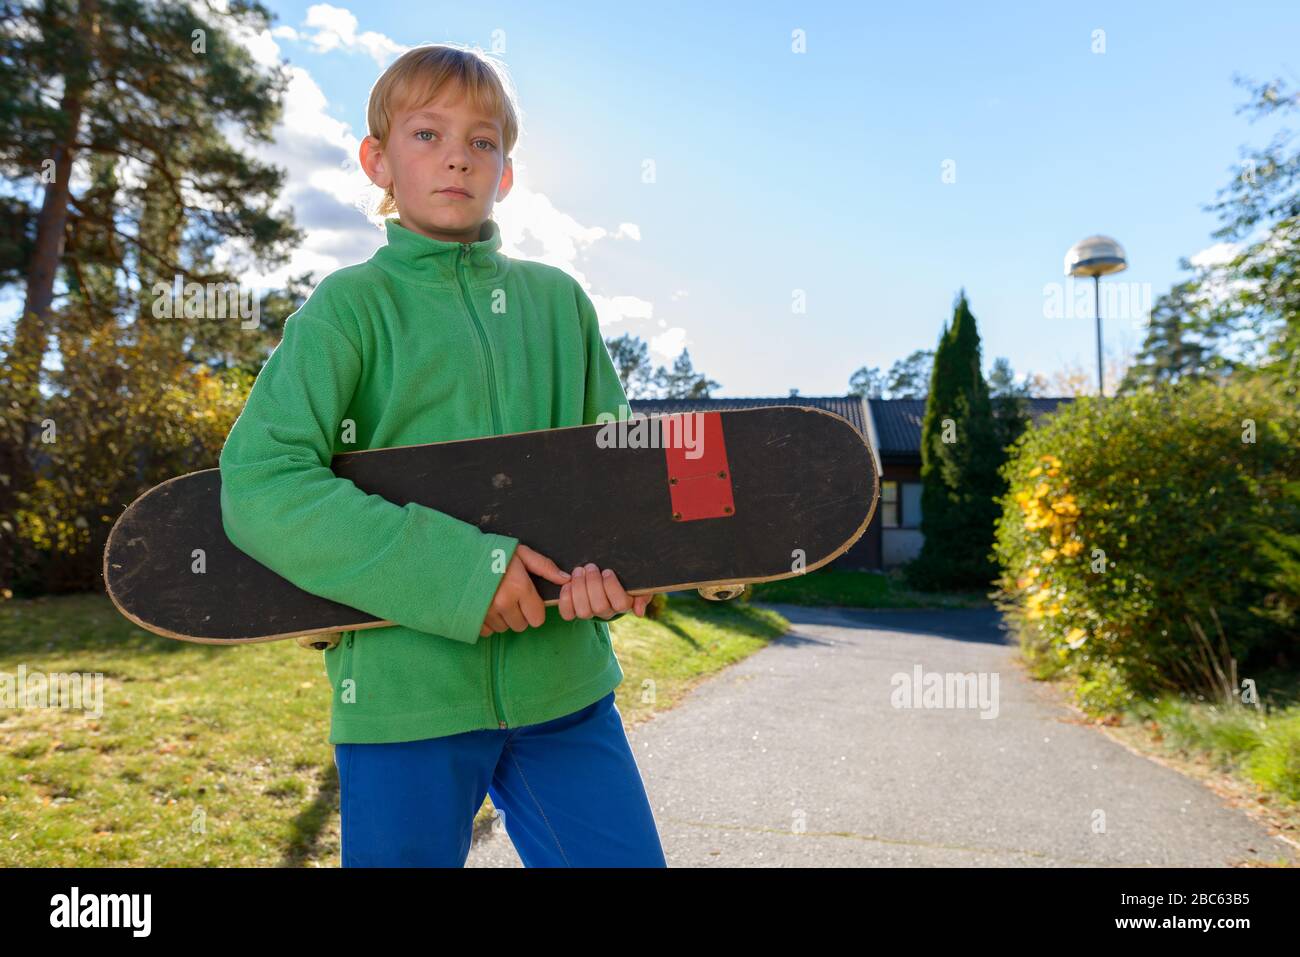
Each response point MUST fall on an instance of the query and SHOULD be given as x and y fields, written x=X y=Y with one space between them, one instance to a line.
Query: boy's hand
x=590 y=592
x=516 y=604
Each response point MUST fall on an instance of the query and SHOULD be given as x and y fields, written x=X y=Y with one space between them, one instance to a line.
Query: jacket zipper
x=493 y=643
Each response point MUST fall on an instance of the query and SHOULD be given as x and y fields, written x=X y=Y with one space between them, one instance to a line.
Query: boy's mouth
x=454 y=191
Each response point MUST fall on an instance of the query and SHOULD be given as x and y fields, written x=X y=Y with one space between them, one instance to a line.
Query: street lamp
x=1096 y=256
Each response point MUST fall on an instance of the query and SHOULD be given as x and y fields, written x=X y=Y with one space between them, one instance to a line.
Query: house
x=892 y=428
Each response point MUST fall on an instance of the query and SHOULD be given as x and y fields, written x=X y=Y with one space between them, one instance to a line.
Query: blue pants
x=568 y=789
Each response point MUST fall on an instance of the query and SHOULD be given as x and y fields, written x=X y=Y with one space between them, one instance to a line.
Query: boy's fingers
x=619 y=600
x=596 y=591
x=640 y=603
x=532 y=607
x=515 y=618
x=566 y=603
x=539 y=564
x=581 y=600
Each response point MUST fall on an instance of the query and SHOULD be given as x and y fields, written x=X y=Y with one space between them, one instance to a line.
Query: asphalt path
x=808 y=754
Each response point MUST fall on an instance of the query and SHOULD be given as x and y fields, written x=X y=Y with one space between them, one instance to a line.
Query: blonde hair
x=420 y=74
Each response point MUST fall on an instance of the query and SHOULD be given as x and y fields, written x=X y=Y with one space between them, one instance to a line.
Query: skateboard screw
x=722 y=475
x=672 y=481
x=727 y=509
x=677 y=516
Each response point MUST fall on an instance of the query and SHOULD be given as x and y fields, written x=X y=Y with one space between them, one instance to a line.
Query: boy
x=438 y=336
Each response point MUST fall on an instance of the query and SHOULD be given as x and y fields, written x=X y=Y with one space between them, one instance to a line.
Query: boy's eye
x=420 y=135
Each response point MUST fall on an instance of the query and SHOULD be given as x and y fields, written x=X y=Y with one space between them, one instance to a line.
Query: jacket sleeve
x=283 y=505
x=604 y=390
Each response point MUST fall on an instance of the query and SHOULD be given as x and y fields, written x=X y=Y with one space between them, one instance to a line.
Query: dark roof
x=850 y=407
x=893 y=426
x=898 y=424
x=898 y=421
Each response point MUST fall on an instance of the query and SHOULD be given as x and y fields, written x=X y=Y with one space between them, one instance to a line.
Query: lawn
x=213 y=756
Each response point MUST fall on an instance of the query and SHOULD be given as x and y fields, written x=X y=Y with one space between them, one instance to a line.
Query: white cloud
x=613 y=309
x=336 y=29
x=670 y=344
x=323 y=183
x=259 y=43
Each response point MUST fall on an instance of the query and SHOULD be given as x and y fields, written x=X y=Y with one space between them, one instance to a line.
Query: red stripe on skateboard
x=700 y=487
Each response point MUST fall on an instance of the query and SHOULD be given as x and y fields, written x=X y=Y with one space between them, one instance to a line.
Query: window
x=911 y=504
x=900 y=504
x=889 y=504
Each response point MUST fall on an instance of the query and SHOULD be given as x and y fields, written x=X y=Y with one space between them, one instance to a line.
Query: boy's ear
x=371 y=155
x=507 y=180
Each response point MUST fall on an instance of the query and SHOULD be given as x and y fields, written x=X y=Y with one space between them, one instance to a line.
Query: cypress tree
x=960 y=456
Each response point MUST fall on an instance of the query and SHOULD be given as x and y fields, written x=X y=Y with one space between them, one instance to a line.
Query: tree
x=150 y=88
x=1002 y=380
x=960 y=458
x=906 y=378
x=138 y=97
x=683 y=382
x=631 y=357
x=869 y=382
x=1249 y=302
x=1173 y=351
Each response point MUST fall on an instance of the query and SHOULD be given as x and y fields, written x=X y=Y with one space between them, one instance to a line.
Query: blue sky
x=820 y=171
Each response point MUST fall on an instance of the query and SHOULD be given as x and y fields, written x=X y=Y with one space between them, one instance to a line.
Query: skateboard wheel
x=318 y=642
x=720 y=592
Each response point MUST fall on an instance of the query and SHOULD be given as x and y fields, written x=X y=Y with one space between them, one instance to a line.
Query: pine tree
x=1171 y=351
x=683 y=382
x=631 y=357
x=960 y=457
x=141 y=95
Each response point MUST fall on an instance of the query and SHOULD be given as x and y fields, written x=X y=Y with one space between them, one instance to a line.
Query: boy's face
x=433 y=147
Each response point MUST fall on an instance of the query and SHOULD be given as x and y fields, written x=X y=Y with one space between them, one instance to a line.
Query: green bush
x=120 y=420
x=1128 y=543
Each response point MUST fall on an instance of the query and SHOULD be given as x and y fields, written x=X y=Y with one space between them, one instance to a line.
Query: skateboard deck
x=706 y=500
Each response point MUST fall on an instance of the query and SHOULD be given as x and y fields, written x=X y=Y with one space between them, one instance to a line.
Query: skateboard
x=704 y=500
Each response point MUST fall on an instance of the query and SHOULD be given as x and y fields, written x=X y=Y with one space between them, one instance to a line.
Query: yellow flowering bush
x=1126 y=517
x=123 y=419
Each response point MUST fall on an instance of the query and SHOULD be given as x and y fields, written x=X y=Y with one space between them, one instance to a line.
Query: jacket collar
x=418 y=258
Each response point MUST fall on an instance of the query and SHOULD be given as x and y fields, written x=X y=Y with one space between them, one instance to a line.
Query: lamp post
x=1096 y=256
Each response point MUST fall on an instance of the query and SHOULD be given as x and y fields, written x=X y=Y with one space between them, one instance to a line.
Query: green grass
x=1260 y=744
x=860 y=589
x=212 y=756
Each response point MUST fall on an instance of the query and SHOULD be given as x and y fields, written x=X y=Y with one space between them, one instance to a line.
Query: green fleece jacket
x=426 y=341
